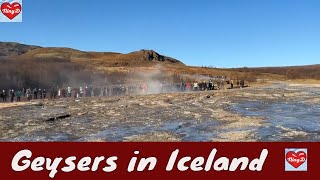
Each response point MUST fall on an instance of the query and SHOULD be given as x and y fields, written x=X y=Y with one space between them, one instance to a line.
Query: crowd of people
x=29 y=94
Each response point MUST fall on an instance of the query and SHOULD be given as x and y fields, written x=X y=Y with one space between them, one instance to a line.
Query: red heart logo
x=11 y=10
x=296 y=159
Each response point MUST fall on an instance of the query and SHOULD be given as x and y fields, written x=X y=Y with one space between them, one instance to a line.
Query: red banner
x=159 y=160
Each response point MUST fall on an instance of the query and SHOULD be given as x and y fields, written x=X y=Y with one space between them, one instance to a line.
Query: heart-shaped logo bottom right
x=296 y=159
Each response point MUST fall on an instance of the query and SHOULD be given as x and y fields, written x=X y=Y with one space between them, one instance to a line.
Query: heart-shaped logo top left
x=11 y=10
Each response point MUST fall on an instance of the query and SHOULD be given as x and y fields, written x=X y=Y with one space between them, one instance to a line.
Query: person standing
x=55 y=93
x=196 y=86
x=75 y=93
x=206 y=85
x=108 y=91
x=29 y=95
x=1 y=95
x=59 y=93
x=35 y=93
x=18 y=95
x=81 y=91
x=4 y=96
x=210 y=85
x=86 y=92
x=64 y=93
x=12 y=95
x=40 y=94
x=222 y=84
x=23 y=92
x=44 y=93
x=51 y=93
x=69 y=91
x=242 y=83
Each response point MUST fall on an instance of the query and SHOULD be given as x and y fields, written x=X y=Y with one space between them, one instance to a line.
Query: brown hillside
x=14 y=49
x=24 y=65
x=289 y=72
x=109 y=59
x=142 y=61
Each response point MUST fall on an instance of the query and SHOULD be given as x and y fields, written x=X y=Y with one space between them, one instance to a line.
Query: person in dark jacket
x=51 y=93
x=242 y=83
x=35 y=93
x=44 y=92
x=1 y=95
x=12 y=95
x=4 y=96
x=40 y=94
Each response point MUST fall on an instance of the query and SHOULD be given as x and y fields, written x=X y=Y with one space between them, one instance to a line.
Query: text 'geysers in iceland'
x=24 y=160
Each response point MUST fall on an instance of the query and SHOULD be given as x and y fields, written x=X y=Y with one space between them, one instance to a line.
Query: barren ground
x=194 y=116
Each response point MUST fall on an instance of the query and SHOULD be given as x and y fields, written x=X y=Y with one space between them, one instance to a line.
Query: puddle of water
x=286 y=121
x=195 y=131
x=45 y=137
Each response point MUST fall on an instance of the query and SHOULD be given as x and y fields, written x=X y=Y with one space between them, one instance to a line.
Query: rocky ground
x=195 y=116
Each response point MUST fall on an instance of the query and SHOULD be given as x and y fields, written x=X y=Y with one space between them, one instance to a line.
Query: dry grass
x=136 y=62
x=7 y=105
x=294 y=72
x=117 y=67
x=313 y=82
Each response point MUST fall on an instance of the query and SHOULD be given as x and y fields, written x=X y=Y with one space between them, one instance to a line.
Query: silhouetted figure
x=44 y=93
x=211 y=85
x=4 y=96
x=40 y=94
x=35 y=93
x=51 y=93
x=242 y=83
x=12 y=95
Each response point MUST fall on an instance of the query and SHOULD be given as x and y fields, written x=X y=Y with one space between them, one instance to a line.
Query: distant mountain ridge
x=138 y=61
x=14 y=49
x=17 y=50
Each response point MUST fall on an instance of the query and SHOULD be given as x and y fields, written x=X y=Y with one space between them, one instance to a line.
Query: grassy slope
x=110 y=62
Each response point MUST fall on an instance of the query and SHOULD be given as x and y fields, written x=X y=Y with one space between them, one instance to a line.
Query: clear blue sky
x=221 y=33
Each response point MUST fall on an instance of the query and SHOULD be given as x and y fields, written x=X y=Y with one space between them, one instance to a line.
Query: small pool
x=285 y=121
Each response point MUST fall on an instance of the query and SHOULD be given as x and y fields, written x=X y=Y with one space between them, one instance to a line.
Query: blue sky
x=221 y=33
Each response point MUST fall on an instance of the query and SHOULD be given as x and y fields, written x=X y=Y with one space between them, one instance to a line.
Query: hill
x=289 y=72
x=136 y=58
x=25 y=65
x=14 y=49
x=35 y=66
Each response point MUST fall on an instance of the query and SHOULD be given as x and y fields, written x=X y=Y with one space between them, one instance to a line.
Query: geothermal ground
x=274 y=112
